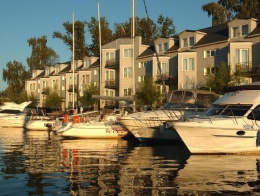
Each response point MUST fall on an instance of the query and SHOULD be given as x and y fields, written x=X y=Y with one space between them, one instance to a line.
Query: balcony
x=112 y=64
x=111 y=84
x=248 y=69
x=168 y=78
x=71 y=88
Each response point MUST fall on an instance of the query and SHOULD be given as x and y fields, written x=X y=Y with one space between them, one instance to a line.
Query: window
x=244 y=30
x=209 y=70
x=242 y=56
x=164 y=68
x=95 y=72
x=127 y=91
x=128 y=72
x=235 y=32
x=110 y=75
x=140 y=78
x=165 y=46
x=191 y=40
x=62 y=77
x=110 y=56
x=184 y=42
x=143 y=64
x=211 y=53
x=159 y=47
x=188 y=64
x=128 y=52
x=57 y=69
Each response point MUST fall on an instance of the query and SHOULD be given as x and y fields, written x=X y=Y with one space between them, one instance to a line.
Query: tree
x=86 y=100
x=106 y=34
x=15 y=76
x=41 y=54
x=147 y=29
x=165 y=27
x=148 y=93
x=53 y=99
x=220 y=79
x=225 y=10
x=81 y=48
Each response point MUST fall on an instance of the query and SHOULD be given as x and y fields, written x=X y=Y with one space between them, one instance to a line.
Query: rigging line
x=157 y=56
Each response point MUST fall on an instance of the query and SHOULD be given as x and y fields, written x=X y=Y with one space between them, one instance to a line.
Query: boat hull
x=39 y=125
x=95 y=131
x=157 y=134
x=220 y=137
x=16 y=121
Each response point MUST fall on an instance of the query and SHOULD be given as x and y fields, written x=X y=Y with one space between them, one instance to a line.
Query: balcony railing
x=112 y=64
x=71 y=88
x=248 y=69
x=111 y=84
x=168 y=78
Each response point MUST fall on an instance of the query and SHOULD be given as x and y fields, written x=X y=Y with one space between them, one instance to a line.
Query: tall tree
x=106 y=34
x=86 y=100
x=41 y=54
x=225 y=10
x=81 y=48
x=147 y=29
x=53 y=99
x=165 y=27
x=148 y=93
x=15 y=76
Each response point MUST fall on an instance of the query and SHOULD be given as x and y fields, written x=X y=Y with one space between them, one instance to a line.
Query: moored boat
x=156 y=125
x=230 y=126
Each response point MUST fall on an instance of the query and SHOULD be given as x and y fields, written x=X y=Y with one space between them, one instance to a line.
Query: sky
x=25 y=19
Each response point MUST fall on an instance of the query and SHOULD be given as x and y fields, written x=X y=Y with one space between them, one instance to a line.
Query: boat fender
x=76 y=119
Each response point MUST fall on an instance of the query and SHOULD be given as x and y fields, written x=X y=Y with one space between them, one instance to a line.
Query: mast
x=73 y=48
x=157 y=57
x=133 y=44
x=100 y=56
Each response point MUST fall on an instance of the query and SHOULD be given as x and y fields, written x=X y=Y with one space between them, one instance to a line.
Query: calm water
x=33 y=164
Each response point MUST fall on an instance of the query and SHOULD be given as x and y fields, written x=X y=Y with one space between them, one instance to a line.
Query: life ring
x=76 y=119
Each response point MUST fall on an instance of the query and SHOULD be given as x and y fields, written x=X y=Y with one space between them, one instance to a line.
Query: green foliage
x=41 y=54
x=32 y=97
x=220 y=79
x=16 y=97
x=88 y=90
x=225 y=10
x=81 y=48
x=148 y=93
x=165 y=27
x=106 y=34
x=15 y=76
x=53 y=99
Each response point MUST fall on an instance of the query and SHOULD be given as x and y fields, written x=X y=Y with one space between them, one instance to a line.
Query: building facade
x=184 y=61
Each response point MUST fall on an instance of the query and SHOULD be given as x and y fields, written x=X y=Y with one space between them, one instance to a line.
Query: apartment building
x=184 y=61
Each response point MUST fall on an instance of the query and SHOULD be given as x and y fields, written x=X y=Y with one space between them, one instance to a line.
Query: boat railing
x=237 y=115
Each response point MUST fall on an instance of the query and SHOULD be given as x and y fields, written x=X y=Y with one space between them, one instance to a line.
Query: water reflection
x=220 y=174
x=36 y=163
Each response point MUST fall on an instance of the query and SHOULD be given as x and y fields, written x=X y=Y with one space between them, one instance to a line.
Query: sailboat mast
x=73 y=48
x=133 y=44
x=100 y=51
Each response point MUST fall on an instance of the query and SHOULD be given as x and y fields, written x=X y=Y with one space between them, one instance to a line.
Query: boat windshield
x=229 y=110
x=180 y=106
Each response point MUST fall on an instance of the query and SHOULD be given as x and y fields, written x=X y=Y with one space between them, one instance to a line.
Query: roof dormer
x=189 y=38
x=239 y=28
x=163 y=44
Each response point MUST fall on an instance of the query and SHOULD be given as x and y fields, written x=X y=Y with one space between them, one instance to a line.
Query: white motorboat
x=230 y=126
x=156 y=125
x=105 y=128
x=12 y=115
